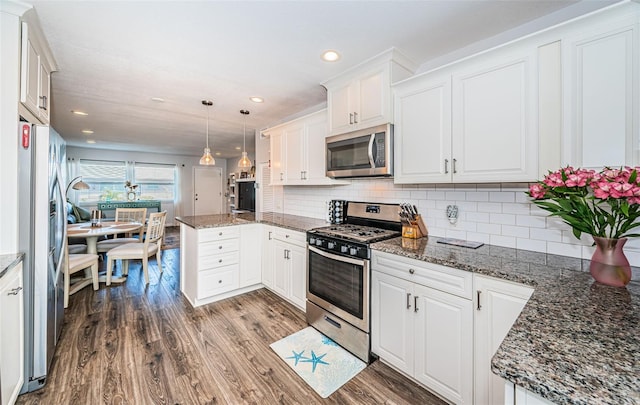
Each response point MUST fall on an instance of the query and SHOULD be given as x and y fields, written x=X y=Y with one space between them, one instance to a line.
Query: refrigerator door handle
x=61 y=216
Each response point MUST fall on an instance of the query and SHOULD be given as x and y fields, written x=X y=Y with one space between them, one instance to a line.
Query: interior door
x=207 y=190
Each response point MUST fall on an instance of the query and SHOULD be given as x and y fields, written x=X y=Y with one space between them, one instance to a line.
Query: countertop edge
x=9 y=261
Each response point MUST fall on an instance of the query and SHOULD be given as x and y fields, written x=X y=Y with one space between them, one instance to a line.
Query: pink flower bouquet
x=605 y=203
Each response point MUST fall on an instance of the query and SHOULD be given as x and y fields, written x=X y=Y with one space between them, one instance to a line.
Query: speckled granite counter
x=8 y=261
x=293 y=222
x=575 y=342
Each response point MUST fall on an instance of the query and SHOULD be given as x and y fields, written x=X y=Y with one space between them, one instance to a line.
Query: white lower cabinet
x=216 y=263
x=11 y=335
x=498 y=305
x=267 y=249
x=290 y=265
x=422 y=323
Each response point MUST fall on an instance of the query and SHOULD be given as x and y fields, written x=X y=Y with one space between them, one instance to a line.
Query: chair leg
x=67 y=286
x=145 y=269
x=125 y=267
x=159 y=259
x=94 y=275
x=109 y=269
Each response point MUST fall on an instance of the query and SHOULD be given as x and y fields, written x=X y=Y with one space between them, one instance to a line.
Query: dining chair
x=150 y=247
x=78 y=262
x=124 y=215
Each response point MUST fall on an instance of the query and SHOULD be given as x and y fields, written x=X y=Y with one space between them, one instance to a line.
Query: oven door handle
x=359 y=262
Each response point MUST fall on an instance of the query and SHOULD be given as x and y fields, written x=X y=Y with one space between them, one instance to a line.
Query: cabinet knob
x=219 y=281
x=220 y=261
x=286 y=236
x=220 y=247
x=411 y=271
x=220 y=234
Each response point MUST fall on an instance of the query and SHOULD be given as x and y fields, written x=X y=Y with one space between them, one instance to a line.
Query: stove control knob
x=318 y=242
x=344 y=249
x=353 y=251
x=331 y=245
x=312 y=241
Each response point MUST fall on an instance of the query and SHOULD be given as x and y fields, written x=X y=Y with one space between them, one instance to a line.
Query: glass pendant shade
x=244 y=162
x=207 y=159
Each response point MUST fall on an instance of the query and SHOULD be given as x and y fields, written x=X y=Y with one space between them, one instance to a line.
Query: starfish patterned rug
x=321 y=362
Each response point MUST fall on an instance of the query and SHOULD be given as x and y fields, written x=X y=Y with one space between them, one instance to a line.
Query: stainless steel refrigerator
x=42 y=236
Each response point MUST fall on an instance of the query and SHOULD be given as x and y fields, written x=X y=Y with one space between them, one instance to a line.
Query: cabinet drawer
x=447 y=279
x=218 y=247
x=212 y=234
x=220 y=260
x=289 y=236
x=218 y=281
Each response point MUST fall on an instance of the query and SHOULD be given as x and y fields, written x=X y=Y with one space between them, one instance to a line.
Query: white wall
x=185 y=164
x=496 y=214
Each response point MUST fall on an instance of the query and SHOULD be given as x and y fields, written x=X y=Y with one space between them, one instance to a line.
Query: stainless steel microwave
x=362 y=153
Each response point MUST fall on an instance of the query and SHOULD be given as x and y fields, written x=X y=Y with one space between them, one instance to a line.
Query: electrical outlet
x=452 y=213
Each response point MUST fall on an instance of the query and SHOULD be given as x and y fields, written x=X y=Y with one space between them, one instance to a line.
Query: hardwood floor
x=131 y=344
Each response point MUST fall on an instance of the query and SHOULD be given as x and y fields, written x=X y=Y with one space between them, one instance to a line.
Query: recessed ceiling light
x=238 y=148
x=257 y=99
x=330 y=56
x=76 y=112
x=157 y=99
x=87 y=131
x=218 y=153
x=90 y=141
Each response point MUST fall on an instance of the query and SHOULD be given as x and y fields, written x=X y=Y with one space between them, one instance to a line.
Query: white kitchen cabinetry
x=35 y=74
x=601 y=94
x=211 y=267
x=515 y=395
x=498 y=304
x=474 y=121
x=11 y=335
x=361 y=97
x=298 y=152
x=267 y=248
x=422 y=323
x=250 y=260
x=289 y=266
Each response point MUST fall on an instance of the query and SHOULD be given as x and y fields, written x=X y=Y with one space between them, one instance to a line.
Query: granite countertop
x=293 y=222
x=8 y=261
x=575 y=342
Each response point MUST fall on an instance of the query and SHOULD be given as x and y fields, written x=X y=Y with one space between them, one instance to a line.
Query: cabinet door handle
x=478 y=307
x=446 y=166
x=350 y=118
x=415 y=303
x=355 y=117
x=454 y=166
x=43 y=106
x=408 y=300
x=281 y=179
x=301 y=175
x=14 y=291
x=284 y=252
x=269 y=235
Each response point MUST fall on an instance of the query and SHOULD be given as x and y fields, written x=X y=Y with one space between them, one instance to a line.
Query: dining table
x=91 y=233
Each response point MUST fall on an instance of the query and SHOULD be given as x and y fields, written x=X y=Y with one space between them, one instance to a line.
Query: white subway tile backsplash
x=498 y=214
x=502 y=196
x=503 y=219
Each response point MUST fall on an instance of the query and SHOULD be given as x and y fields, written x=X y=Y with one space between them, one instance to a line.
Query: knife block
x=415 y=229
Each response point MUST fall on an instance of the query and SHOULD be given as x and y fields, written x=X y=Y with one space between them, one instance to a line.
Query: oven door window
x=338 y=283
x=349 y=154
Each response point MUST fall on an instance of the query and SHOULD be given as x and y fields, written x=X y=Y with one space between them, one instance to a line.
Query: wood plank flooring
x=137 y=344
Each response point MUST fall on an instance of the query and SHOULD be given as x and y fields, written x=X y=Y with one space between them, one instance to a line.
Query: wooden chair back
x=132 y=215
x=155 y=229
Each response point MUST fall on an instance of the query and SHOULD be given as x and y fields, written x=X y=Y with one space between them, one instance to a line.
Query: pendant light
x=207 y=159
x=244 y=162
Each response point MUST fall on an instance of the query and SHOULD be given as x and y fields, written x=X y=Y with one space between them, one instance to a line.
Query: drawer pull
x=220 y=234
x=220 y=247
x=411 y=271
x=14 y=291
x=408 y=300
x=332 y=322
x=415 y=304
x=220 y=261
x=286 y=236
x=219 y=281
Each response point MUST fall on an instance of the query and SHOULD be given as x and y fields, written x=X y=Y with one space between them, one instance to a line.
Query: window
x=155 y=181
x=107 y=180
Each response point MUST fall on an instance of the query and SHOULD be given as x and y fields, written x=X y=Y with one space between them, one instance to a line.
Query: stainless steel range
x=339 y=273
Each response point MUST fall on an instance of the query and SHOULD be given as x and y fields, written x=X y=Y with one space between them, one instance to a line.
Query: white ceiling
x=114 y=56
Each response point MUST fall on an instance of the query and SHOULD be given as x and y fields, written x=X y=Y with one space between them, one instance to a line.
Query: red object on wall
x=26 y=135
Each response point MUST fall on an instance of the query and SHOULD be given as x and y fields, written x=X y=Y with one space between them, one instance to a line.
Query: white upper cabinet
x=298 y=151
x=471 y=122
x=361 y=97
x=35 y=73
x=601 y=104
x=494 y=129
